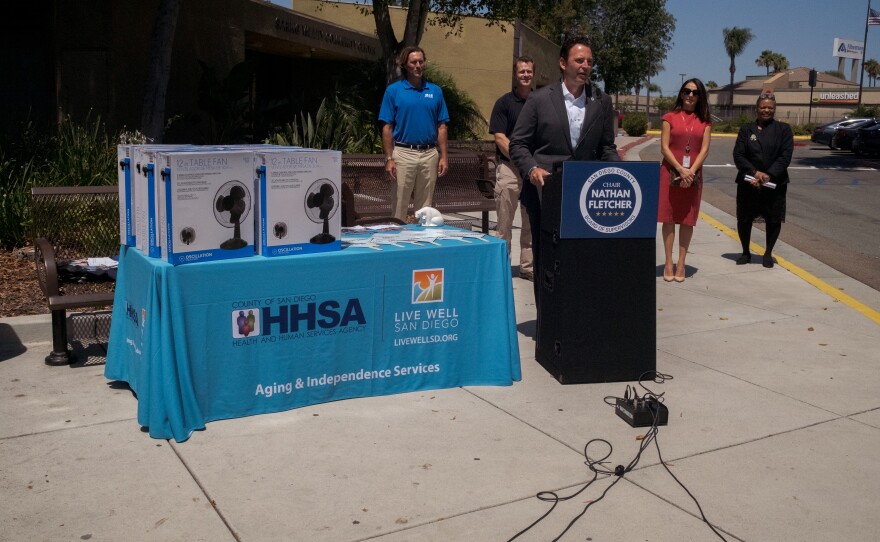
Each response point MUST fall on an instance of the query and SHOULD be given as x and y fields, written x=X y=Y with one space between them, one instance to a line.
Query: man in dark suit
x=566 y=120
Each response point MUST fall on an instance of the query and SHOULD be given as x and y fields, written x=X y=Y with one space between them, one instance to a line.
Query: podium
x=597 y=290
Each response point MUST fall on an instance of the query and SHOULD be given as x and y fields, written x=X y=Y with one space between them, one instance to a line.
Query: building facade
x=91 y=57
x=796 y=102
x=479 y=57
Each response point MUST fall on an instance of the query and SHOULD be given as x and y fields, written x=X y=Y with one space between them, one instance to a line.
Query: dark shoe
x=527 y=276
x=744 y=259
x=767 y=261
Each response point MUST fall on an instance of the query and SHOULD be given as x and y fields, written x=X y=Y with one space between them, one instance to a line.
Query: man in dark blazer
x=566 y=120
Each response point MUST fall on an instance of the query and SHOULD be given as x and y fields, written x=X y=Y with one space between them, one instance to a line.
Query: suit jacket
x=769 y=151
x=541 y=136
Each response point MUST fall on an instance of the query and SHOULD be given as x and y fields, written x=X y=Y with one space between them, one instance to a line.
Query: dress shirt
x=575 y=107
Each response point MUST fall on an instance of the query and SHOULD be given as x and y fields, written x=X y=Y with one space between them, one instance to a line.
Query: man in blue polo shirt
x=414 y=133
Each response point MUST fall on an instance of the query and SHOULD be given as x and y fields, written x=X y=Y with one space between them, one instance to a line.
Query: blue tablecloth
x=233 y=338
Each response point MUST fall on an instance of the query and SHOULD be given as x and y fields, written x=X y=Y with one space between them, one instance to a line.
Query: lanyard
x=687 y=147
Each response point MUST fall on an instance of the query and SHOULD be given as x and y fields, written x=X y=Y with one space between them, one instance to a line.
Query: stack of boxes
x=187 y=204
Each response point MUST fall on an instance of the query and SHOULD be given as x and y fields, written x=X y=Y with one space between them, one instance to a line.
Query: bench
x=467 y=186
x=71 y=223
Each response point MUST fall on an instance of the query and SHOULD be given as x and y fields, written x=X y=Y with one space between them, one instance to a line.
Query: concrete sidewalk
x=774 y=423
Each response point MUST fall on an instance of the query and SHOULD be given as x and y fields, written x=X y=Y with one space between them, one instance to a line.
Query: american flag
x=873 y=17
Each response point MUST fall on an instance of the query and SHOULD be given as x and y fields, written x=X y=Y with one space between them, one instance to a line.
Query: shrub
x=336 y=125
x=73 y=155
x=803 y=129
x=635 y=124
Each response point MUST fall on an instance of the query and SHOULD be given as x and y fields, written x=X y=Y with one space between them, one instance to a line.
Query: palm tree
x=651 y=87
x=764 y=60
x=779 y=62
x=735 y=40
x=872 y=68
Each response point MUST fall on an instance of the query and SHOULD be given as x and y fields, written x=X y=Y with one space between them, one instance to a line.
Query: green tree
x=765 y=60
x=779 y=62
x=735 y=41
x=711 y=84
x=664 y=103
x=557 y=18
x=650 y=87
x=631 y=38
x=449 y=14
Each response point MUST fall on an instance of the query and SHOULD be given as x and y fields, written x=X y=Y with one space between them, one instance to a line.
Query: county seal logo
x=427 y=285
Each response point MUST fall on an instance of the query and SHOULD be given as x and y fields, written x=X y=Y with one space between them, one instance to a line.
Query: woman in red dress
x=684 y=142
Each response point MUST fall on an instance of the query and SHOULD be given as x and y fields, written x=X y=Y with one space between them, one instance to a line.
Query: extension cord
x=641 y=412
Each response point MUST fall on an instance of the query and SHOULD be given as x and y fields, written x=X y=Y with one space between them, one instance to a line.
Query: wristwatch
x=388 y=159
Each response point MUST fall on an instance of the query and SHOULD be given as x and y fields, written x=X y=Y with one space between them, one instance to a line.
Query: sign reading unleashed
x=604 y=200
x=840 y=97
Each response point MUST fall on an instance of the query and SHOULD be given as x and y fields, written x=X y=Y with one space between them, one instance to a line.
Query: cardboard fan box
x=206 y=205
x=299 y=201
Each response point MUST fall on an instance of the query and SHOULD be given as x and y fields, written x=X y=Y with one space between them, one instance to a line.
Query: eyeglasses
x=688 y=92
x=767 y=96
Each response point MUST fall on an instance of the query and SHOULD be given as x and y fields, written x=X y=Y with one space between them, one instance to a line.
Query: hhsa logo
x=245 y=323
x=132 y=314
x=427 y=285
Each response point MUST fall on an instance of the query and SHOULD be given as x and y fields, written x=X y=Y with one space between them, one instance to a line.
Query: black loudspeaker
x=597 y=317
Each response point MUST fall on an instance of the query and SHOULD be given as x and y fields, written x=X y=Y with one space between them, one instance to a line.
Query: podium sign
x=609 y=199
x=597 y=308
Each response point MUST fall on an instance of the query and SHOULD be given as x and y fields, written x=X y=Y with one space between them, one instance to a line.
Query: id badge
x=687 y=161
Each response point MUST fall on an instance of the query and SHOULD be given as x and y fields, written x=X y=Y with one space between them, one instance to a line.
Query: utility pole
x=682 y=77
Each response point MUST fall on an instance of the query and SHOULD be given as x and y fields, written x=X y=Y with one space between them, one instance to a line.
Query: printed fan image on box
x=233 y=205
x=322 y=203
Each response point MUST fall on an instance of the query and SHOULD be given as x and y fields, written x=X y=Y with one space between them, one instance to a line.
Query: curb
x=623 y=150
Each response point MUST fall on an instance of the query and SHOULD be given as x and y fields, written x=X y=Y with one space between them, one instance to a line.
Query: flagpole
x=864 y=52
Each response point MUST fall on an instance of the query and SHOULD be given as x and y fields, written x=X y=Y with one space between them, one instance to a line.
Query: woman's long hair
x=702 y=107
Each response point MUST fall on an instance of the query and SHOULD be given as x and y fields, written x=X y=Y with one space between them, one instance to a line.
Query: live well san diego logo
x=427 y=285
x=610 y=200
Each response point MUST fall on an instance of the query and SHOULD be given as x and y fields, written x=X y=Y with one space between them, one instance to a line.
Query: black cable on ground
x=598 y=466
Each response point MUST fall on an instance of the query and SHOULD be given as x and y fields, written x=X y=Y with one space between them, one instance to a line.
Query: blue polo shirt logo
x=429 y=96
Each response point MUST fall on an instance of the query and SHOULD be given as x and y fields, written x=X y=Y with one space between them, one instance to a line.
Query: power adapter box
x=299 y=201
x=206 y=205
x=641 y=412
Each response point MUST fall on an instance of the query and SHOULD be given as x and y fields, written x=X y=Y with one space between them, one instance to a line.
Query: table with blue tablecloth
x=225 y=339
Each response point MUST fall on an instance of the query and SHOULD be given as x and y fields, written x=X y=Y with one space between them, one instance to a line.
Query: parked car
x=822 y=134
x=844 y=135
x=867 y=140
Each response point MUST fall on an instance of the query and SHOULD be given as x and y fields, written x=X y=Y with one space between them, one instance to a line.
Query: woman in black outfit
x=762 y=154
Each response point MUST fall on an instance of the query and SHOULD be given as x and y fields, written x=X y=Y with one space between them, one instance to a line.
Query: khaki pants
x=508 y=186
x=416 y=177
